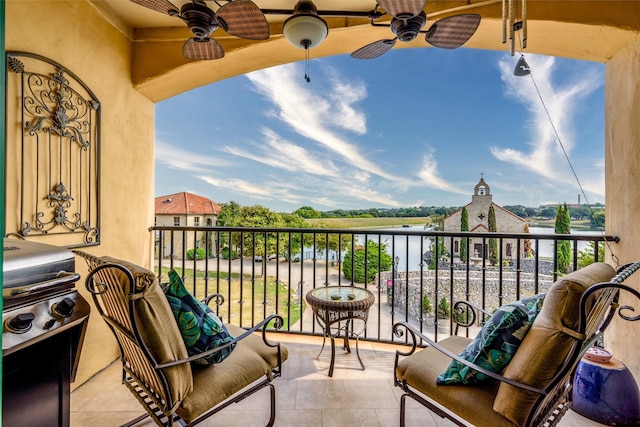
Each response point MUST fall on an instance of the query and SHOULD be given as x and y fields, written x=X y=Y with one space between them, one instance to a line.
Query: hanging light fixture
x=305 y=29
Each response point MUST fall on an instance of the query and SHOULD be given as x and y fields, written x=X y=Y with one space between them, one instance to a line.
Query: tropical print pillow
x=496 y=343
x=201 y=329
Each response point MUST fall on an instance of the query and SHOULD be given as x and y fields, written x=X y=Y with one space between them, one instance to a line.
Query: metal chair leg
x=272 y=418
x=403 y=405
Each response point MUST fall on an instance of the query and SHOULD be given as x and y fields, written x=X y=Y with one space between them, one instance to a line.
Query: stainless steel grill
x=44 y=319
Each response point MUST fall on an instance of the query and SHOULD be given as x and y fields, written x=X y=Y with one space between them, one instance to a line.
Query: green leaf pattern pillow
x=496 y=343
x=201 y=329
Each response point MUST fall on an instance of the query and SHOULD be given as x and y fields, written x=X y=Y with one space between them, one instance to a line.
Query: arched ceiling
x=588 y=30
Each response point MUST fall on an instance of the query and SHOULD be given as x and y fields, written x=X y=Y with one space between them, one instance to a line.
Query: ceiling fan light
x=305 y=31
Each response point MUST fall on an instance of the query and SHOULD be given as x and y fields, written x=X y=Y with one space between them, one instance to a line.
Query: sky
x=414 y=127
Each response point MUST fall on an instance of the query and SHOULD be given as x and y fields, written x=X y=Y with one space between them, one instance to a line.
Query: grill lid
x=27 y=262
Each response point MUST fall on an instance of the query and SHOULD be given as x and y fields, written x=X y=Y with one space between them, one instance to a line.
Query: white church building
x=478 y=210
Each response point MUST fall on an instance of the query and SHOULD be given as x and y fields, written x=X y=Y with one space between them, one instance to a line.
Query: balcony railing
x=261 y=271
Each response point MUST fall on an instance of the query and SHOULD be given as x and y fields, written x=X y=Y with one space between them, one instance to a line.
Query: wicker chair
x=535 y=388
x=156 y=366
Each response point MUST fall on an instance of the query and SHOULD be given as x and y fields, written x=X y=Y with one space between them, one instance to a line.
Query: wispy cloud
x=246 y=188
x=275 y=151
x=431 y=177
x=316 y=115
x=181 y=159
x=545 y=156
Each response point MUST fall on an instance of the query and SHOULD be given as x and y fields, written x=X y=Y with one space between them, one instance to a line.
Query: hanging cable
x=573 y=171
x=523 y=69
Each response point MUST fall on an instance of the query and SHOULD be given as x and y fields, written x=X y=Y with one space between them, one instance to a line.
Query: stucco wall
x=73 y=34
x=622 y=171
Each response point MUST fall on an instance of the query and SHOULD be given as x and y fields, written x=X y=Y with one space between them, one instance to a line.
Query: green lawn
x=267 y=298
x=366 y=222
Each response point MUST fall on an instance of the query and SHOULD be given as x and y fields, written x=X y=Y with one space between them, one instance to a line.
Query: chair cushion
x=250 y=361
x=548 y=341
x=201 y=329
x=472 y=403
x=496 y=343
x=157 y=326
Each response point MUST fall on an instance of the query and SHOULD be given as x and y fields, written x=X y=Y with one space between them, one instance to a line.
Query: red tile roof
x=186 y=204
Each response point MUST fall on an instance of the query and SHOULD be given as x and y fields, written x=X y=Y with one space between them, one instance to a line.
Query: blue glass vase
x=605 y=391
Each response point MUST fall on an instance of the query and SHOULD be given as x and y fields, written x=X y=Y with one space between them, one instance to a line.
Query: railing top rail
x=403 y=231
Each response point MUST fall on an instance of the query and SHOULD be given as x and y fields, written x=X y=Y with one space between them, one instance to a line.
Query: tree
x=353 y=266
x=547 y=212
x=436 y=247
x=307 y=212
x=597 y=220
x=229 y=214
x=563 y=226
x=464 y=226
x=331 y=241
x=493 y=242
x=586 y=256
x=257 y=243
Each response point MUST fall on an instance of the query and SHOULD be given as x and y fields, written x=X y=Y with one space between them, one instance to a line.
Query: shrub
x=426 y=305
x=225 y=253
x=199 y=253
x=354 y=261
x=442 y=311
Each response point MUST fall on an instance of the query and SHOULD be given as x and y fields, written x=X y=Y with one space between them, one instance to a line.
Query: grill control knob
x=64 y=308
x=21 y=323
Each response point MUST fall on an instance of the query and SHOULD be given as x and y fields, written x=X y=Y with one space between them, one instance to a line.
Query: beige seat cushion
x=157 y=327
x=474 y=403
x=548 y=342
x=251 y=360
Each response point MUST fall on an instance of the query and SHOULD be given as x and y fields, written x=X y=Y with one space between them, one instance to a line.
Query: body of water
x=398 y=247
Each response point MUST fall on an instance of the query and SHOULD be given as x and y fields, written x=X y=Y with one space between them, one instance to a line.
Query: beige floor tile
x=368 y=393
x=321 y=394
x=305 y=395
x=299 y=418
x=349 y=416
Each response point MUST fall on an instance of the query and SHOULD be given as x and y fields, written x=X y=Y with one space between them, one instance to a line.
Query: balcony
x=262 y=271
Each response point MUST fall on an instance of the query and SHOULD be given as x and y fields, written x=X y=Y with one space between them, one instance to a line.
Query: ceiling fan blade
x=375 y=49
x=402 y=7
x=202 y=49
x=162 y=6
x=452 y=32
x=243 y=18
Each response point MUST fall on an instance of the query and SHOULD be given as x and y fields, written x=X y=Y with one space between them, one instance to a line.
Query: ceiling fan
x=240 y=18
x=408 y=19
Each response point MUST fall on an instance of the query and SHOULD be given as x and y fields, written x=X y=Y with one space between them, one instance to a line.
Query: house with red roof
x=185 y=210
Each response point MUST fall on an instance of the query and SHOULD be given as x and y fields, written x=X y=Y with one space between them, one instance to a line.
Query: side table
x=334 y=304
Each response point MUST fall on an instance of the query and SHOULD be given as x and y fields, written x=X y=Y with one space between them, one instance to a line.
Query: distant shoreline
x=388 y=222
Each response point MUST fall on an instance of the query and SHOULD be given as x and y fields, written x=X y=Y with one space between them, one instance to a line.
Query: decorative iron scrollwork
x=58 y=149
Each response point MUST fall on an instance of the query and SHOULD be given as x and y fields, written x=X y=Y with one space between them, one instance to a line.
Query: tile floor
x=306 y=396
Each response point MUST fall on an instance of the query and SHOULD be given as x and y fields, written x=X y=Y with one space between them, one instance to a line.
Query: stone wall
x=473 y=290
